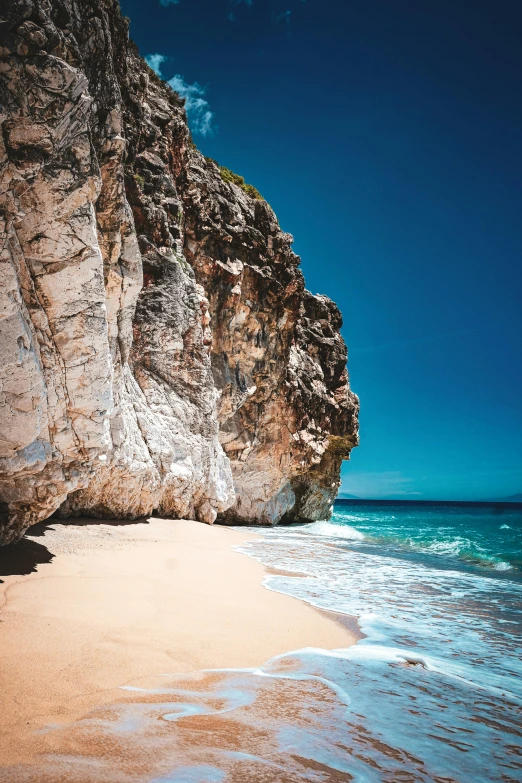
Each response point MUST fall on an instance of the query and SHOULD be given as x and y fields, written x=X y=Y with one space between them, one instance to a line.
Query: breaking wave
x=335 y=531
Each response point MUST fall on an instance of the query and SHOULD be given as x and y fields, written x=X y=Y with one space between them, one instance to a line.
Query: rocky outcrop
x=279 y=361
x=158 y=349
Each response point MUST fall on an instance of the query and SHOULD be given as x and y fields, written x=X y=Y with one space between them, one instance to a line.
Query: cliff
x=158 y=349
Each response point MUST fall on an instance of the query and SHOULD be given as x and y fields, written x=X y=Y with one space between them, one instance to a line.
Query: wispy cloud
x=384 y=484
x=197 y=107
x=283 y=16
x=165 y=3
x=155 y=61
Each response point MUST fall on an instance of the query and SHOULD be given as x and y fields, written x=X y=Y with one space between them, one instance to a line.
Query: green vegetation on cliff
x=237 y=179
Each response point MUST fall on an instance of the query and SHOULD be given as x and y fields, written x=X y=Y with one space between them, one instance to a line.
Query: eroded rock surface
x=158 y=349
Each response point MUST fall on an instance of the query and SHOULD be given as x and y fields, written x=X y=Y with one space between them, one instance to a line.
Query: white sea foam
x=449 y=547
x=505 y=527
x=335 y=531
x=502 y=566
x=449 y=628
x=400 y=604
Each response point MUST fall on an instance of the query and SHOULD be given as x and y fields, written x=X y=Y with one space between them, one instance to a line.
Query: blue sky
x=386 y=136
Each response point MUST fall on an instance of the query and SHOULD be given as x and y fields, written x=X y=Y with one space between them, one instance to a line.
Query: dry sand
x=120 y=604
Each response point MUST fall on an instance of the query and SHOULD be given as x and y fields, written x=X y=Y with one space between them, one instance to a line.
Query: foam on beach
x=335 y=531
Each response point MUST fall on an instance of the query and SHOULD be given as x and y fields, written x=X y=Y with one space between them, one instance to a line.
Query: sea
x=431 y=692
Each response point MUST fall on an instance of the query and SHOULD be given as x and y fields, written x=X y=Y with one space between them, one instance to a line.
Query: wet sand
x=121 y=604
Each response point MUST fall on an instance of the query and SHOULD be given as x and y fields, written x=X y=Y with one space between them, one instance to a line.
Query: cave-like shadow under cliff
x=23 y=557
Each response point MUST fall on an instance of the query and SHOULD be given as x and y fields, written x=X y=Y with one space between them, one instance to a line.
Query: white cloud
x=197 y=107
x=154 y=61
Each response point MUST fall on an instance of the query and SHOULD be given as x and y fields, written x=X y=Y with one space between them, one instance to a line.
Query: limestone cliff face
x=158 y=349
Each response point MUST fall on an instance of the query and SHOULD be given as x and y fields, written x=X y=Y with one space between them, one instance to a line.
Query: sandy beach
x=121 y=604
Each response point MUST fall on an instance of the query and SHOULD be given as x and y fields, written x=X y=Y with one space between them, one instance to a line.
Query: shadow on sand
x=23 y=557
x=53 y=522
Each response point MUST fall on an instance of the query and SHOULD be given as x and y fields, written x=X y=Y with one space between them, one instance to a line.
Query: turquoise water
x=488 y=536
x=434 y=690
x=431 y=694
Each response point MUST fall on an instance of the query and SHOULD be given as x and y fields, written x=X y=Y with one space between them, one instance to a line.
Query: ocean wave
x=464 y=549
x=457 y=547
x=354 y=518
x=341 y=516
x=335 y=531
x=453 y=546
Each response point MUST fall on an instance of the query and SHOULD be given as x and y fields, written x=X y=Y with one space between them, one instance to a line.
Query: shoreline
x=121 y=603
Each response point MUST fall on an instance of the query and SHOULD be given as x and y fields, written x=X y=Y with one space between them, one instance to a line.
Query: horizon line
x=427 y=500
